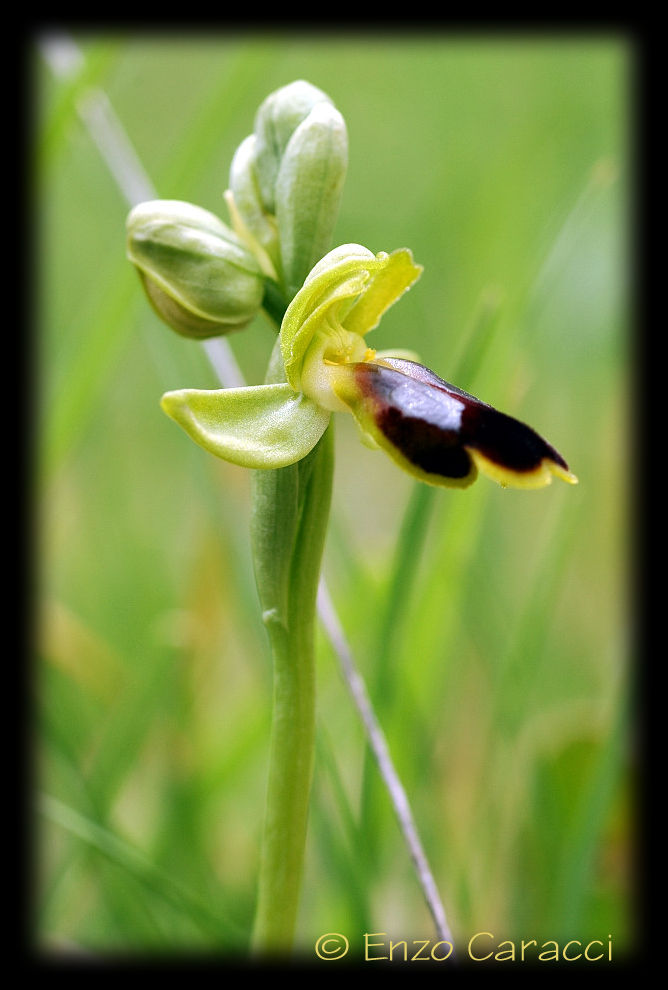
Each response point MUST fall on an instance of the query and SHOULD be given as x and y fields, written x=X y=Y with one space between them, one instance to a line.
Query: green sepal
x=258 y=426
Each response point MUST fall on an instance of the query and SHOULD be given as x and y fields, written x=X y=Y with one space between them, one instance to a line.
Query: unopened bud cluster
x=286 y=180
x=204 y=278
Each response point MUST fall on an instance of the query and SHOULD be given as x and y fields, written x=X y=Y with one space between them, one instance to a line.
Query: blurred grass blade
x=225 y=931
x=77 y=75
x=578 y=865
x=339 y=836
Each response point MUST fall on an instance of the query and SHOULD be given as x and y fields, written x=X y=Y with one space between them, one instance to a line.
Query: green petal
x=259 y=426
x=392 y=279
x=350 y=286
x=340 y=275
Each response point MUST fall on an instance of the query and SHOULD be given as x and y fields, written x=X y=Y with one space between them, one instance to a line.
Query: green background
x=493 y=627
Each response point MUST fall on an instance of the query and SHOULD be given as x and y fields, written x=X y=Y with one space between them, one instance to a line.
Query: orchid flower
x=323 y=364
x=205 y=279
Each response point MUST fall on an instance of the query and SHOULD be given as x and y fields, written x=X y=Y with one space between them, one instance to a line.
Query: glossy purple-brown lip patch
x=443 y=433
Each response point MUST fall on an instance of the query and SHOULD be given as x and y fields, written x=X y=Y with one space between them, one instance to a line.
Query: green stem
x=288 y=791
x=274 y=303
x=289 y=523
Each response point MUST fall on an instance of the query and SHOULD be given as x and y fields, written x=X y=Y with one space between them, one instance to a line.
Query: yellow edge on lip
x=539 y=477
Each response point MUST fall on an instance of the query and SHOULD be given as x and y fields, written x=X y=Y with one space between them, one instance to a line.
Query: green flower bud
x=308 y=192
x=199 y=277
x=275 y=122
x=254 y=225
x=286 y=181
